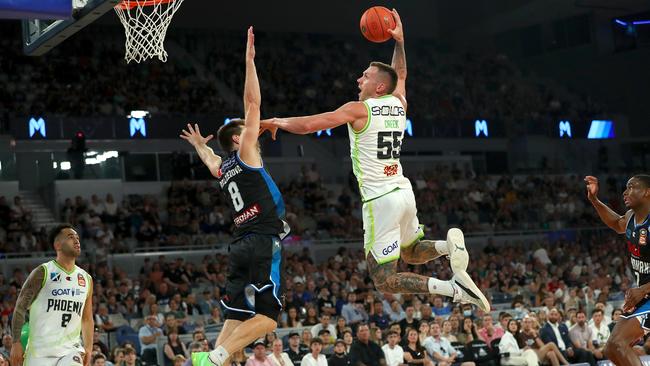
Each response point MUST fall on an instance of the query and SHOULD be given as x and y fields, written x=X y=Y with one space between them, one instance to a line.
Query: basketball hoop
x=145 y=26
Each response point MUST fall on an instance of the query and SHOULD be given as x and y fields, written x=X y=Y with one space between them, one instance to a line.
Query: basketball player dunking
x=634 y=224
x=254 y=280
x=376 y=125
x=57 y=296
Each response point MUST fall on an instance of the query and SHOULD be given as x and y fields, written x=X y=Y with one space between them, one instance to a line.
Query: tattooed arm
x=28 y=293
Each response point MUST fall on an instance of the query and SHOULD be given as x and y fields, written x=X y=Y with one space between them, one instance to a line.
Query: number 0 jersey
x=254 y=198
x=55 y=314
x=637 y=245
x=375 y=150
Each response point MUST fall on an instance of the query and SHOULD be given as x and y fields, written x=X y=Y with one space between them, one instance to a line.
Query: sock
x=219 y=356
x=443 y=288
x=441 y=247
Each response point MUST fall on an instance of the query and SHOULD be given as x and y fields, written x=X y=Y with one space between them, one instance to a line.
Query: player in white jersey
x=376 y=125
x=57 y=297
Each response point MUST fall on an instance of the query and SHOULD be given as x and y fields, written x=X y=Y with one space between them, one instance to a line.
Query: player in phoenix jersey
x=634 y=224
x=57 y=297
x=376 y=125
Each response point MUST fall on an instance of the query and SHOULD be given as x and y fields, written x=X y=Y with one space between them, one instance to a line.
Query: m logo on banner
x=136 y=125
x=481 y=126
x=565 y=129
x=36 y=125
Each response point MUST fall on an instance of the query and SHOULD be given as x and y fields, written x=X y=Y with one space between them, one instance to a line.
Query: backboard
x=42 y=35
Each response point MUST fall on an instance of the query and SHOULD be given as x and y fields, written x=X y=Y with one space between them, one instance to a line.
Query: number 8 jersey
x=253 y=196
x=375 y=150
x=55 y=314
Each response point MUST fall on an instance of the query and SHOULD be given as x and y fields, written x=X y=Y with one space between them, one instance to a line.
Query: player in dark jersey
x=634 y=224
x=253 y=285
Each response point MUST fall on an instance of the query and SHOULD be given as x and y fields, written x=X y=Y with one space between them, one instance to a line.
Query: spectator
x=504 y=319
x=147 y=335
x=468 y=333
x=340 y=356
x=489 y=332
x=556 y=332
x=278 y=357
x=306 y=337
x=423 y=332
x=291 y=320
x=4 y=360
x=341 y=326
x=599 y=330
x=395 y=312
x=376 y=336
x=514 y=355
x=173 y=347
x=616 y=316
x=311 y=318
x=353 y=312
x=6 y=345
x=324 y=324
x=179 y=360
x=440 y=350
x=446 y=332
x=131 y=359
x=215 y=316
x=325 y=303
x=439 y=308
x=315 y=358
x=409 y=320
x=546 y=353
x=581 y=336
x=392 y=351
x=365 y=352
x=378 y=317
x=259 y=357
x=194 y=348
x=348 y=339
x=103 y=320
x=326 y=339
x=118 y=355
x=98 y=360
x=295 y=350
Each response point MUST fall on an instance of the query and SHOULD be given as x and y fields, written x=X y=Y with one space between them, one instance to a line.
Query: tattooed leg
x=387 y=279
x=422 y=251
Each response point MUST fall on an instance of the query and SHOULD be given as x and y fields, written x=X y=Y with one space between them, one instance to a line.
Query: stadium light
x=601 y=129
x=65 y=165
x=328 y=132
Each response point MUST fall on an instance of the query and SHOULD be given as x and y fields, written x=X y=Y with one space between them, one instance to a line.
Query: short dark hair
x=56 y=231
x=227 y=131
x=597 y=311
x=644 y=178
x=315 y=340
x=390 y=72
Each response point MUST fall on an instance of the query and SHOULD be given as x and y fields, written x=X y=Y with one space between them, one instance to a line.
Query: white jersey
x=375 y=150
x=55 y=315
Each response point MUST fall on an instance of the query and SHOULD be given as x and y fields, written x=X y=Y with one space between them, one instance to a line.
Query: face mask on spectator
x=467 y=313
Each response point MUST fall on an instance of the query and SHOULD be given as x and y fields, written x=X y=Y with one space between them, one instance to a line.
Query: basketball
x=375 y=23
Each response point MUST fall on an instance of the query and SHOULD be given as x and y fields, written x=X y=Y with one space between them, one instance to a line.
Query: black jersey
x=637 y=246
x=254 y=198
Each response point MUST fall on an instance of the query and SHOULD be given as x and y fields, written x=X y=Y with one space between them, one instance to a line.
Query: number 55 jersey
x=376 y=149
x=55 y=314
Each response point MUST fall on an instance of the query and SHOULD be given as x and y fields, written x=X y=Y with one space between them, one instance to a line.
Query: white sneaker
x=466 y=291
x=458 y=256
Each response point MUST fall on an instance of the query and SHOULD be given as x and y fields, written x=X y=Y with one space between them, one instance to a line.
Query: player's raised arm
x=399 y=58
x=28 y=293
x=248 y=148
x=200 y=143
x=615 y=221
x=347 y=113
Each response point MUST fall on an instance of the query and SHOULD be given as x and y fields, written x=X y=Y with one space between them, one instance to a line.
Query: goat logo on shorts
x=643 y=235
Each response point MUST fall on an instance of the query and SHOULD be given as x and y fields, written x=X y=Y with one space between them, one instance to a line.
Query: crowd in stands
x=450 y=86
x=196 y=213
x=571 y=282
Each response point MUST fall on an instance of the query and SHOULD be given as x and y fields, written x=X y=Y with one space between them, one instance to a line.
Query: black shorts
x=254 y=277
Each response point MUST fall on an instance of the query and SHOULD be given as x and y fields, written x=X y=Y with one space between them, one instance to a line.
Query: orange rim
x=130 y=4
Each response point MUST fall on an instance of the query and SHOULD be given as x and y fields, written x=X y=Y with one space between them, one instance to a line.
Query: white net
x=145 y=26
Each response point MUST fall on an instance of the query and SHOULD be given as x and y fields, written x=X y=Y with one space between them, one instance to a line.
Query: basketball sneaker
x=458 y=256
x=466 y=291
